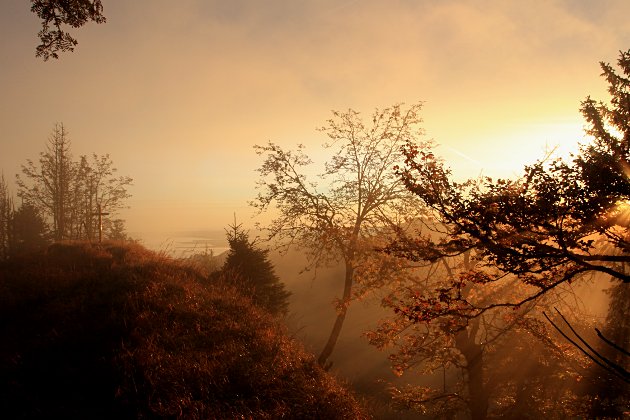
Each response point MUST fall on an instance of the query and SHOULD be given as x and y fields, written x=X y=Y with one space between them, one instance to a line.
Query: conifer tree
x=28 y=231
x=255 y=272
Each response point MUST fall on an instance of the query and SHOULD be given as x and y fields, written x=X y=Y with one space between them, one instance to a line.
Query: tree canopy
x=495 y=259
x=562 y=219
x=55 y=15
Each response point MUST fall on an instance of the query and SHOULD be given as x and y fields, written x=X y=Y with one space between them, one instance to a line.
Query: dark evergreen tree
x=28 y=231
x=254 y=272
x=115 y=230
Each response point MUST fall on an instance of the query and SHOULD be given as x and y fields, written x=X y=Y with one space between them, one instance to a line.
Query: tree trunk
x=473 y=353
x=341 y=316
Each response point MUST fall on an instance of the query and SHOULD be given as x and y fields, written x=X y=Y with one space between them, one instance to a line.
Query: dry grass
x=120 y=332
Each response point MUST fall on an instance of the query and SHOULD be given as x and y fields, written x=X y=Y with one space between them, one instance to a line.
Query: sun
x=503 y=150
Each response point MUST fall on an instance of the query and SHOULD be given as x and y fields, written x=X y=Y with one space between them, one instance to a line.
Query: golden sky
x=179 y=92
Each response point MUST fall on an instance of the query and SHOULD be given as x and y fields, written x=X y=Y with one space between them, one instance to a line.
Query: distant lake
x=185 y=243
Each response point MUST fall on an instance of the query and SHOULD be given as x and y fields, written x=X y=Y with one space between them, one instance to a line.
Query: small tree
x=254 y=272
x=97 y=186
x=28 y=231
x=356 y=205
x=115 y=230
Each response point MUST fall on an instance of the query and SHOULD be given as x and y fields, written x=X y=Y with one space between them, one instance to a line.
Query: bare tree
x=357 y=202
x=50 y=181
x=70 y=193
x=98 y=187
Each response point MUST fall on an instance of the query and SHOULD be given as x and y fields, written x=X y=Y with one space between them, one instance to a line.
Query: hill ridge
x=108 y=331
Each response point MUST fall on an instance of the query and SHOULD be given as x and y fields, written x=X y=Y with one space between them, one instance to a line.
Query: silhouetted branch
x=610 y=343
x=608 y=365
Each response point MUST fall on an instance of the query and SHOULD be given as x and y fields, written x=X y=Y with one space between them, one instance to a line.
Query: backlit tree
x=254 y=272
x=561 y=221
x=68 y=193
x=355 y=204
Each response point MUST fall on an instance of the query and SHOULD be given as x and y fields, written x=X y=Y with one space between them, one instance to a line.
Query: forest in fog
x=373 y=283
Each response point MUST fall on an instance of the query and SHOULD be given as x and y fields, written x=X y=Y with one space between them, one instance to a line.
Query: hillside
x=121 y=332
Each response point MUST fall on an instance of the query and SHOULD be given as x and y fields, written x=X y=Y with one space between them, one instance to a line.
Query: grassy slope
x=120 y=332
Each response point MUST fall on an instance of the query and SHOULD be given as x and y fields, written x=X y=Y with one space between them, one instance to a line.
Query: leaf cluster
x=563 y=218
x=55 y=14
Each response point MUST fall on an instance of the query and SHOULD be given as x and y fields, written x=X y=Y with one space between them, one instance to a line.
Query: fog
x=157 y=111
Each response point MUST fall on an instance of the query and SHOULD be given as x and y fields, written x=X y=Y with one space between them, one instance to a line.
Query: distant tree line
x=61 y=198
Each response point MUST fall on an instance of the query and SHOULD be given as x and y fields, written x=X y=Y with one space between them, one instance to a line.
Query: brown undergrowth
x=117 y=331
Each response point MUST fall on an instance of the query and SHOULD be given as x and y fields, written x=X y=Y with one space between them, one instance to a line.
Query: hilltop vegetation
x=117 y=331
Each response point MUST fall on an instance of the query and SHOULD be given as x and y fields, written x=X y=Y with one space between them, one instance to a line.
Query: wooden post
x=100 y=215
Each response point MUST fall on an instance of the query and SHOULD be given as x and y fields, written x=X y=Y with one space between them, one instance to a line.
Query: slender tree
x=47 y=186
x=6 y=214
x=357 y=202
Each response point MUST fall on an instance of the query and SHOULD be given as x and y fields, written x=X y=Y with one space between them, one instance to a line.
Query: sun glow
x=509 y=147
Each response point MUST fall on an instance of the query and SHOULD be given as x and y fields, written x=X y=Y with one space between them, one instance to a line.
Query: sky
x=178 y=93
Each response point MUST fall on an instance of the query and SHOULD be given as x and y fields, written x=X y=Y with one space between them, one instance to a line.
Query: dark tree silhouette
x=55 y=15
x=562 y=220
x=254 y=272
x=47 y=186
x=28 y=231
x=559 y=221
